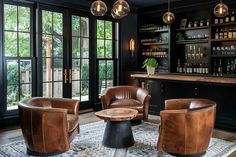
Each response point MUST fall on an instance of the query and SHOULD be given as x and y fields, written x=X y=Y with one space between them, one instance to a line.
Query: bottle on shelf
x=228 y=67
x=234 y=32
x=220 y=68
x=232 y=16
x=225 y=34
x=232 y=67
x=230 y=33
x=221 y=34
x=221 y=20
x=227 y=18
x=217 y=33
x=207 y=70
x=235 y=66
x=214 y=68
x=178 y=66
x=216 y=21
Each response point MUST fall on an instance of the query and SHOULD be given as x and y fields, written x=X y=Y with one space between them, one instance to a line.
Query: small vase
x=151 y=70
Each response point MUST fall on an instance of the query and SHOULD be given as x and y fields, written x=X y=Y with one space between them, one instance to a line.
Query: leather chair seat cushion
x=72 y=122
x=127 y=103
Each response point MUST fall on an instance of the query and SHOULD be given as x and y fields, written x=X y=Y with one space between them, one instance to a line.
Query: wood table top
x=175 y=77
x=117 y=114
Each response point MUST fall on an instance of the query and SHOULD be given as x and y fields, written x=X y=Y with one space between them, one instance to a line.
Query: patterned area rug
x=89 y=144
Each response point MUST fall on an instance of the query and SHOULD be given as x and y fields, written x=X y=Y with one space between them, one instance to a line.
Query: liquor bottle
x=207 y=70
x=214 y=68
x=227 y=18
x=232 y=67
x=195 y=68
x=221 y=34
x=232 y=17
x=178 y=66
x=185 y=68
x=234 y=32
x=221 y=21
x=217 y=34
x=235 y=66
x=220 y=69
x=225 y=34
x=230 y=33
x=216 y=21
x=228 y=68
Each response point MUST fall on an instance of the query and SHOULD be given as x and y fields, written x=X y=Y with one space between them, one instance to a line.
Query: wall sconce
x=132 y=46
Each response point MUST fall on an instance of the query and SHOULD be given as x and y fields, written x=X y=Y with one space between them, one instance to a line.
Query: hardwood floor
x=11 y=134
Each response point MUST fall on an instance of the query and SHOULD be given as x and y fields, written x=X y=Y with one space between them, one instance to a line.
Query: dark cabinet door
x=155 y=89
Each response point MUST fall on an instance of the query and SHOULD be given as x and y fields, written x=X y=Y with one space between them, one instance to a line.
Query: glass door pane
x=17 y=54
x=52 y=54
x=80 y=58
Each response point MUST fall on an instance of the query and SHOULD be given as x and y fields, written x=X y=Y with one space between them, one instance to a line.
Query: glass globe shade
x=98 y=8
x=168 y=18
x=221 y=10
x=120 y=9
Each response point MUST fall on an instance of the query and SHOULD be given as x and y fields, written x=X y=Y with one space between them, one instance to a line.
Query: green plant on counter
x=180 y=36
x=152 y=62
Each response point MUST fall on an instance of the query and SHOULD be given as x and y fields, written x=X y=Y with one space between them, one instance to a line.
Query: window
x=106 y=54
x=17 y=54
x=52 y=53
x=80 y=58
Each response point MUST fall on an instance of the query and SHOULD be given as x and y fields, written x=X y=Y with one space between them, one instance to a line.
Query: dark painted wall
x=128 y=29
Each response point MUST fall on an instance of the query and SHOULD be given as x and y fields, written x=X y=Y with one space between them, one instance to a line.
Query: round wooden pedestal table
x=118 y=132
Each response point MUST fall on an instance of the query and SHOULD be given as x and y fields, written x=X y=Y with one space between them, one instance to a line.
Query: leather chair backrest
x=123 y=92
x=40 y=102
x=200 y=104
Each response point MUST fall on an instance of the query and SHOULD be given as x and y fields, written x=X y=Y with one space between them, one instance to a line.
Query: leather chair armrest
x=45 y=122
x=175 y=104
x=106 y=99
x=71 y=105
x=171 y=128
x=146 y=103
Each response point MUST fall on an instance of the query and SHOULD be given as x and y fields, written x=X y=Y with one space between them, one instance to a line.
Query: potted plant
x=151 y=64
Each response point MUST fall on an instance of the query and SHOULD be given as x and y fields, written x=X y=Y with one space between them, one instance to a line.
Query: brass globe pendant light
x=98 y=8
x=168 y=17
x=120 y=9
x=221 y=10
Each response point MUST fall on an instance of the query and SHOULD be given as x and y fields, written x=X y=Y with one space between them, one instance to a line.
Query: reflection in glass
x=47 y=89
x=24 y=19
x=108 y=29
x=47 y=69
x=10 y=17
x=57 y=46
x=85 y=69
x=47 y=45
x=110 y=70
x=84 y=27
x=57 y=90
x=47 y=21
x=85 y=47
x=75 y=25
x=10 y=44
x=57 y=69
x=75 y=69
x=108 y=48
x=85 y=90
x=12 y=84
x=100 y=49
x=24 y=44
x=75 y=47
x=100 y=29
x=25 y=91
x=25 y=71
x=57 y=23
x=76 y=89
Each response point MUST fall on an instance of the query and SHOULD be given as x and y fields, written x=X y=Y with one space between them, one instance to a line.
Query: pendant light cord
x=168 y=5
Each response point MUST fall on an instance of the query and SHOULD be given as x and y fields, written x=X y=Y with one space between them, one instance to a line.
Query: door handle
x=70 y=76
x=65 y=76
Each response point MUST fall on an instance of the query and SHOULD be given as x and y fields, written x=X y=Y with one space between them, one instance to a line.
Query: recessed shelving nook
x=154 y=43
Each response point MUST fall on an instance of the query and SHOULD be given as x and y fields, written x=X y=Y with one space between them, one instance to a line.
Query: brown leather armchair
x=48 y=124
x=127 y=97
x=186 y=126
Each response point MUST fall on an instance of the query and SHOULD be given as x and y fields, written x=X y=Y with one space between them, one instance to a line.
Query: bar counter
x=191 y=78
x=220 y=89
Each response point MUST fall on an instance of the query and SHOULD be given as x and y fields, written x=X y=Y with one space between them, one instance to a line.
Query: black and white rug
x=89 y=144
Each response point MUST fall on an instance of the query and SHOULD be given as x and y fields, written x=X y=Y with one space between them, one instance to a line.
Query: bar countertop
x=190 y=78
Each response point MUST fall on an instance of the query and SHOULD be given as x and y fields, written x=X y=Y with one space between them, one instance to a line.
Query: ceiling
x=133 y=3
